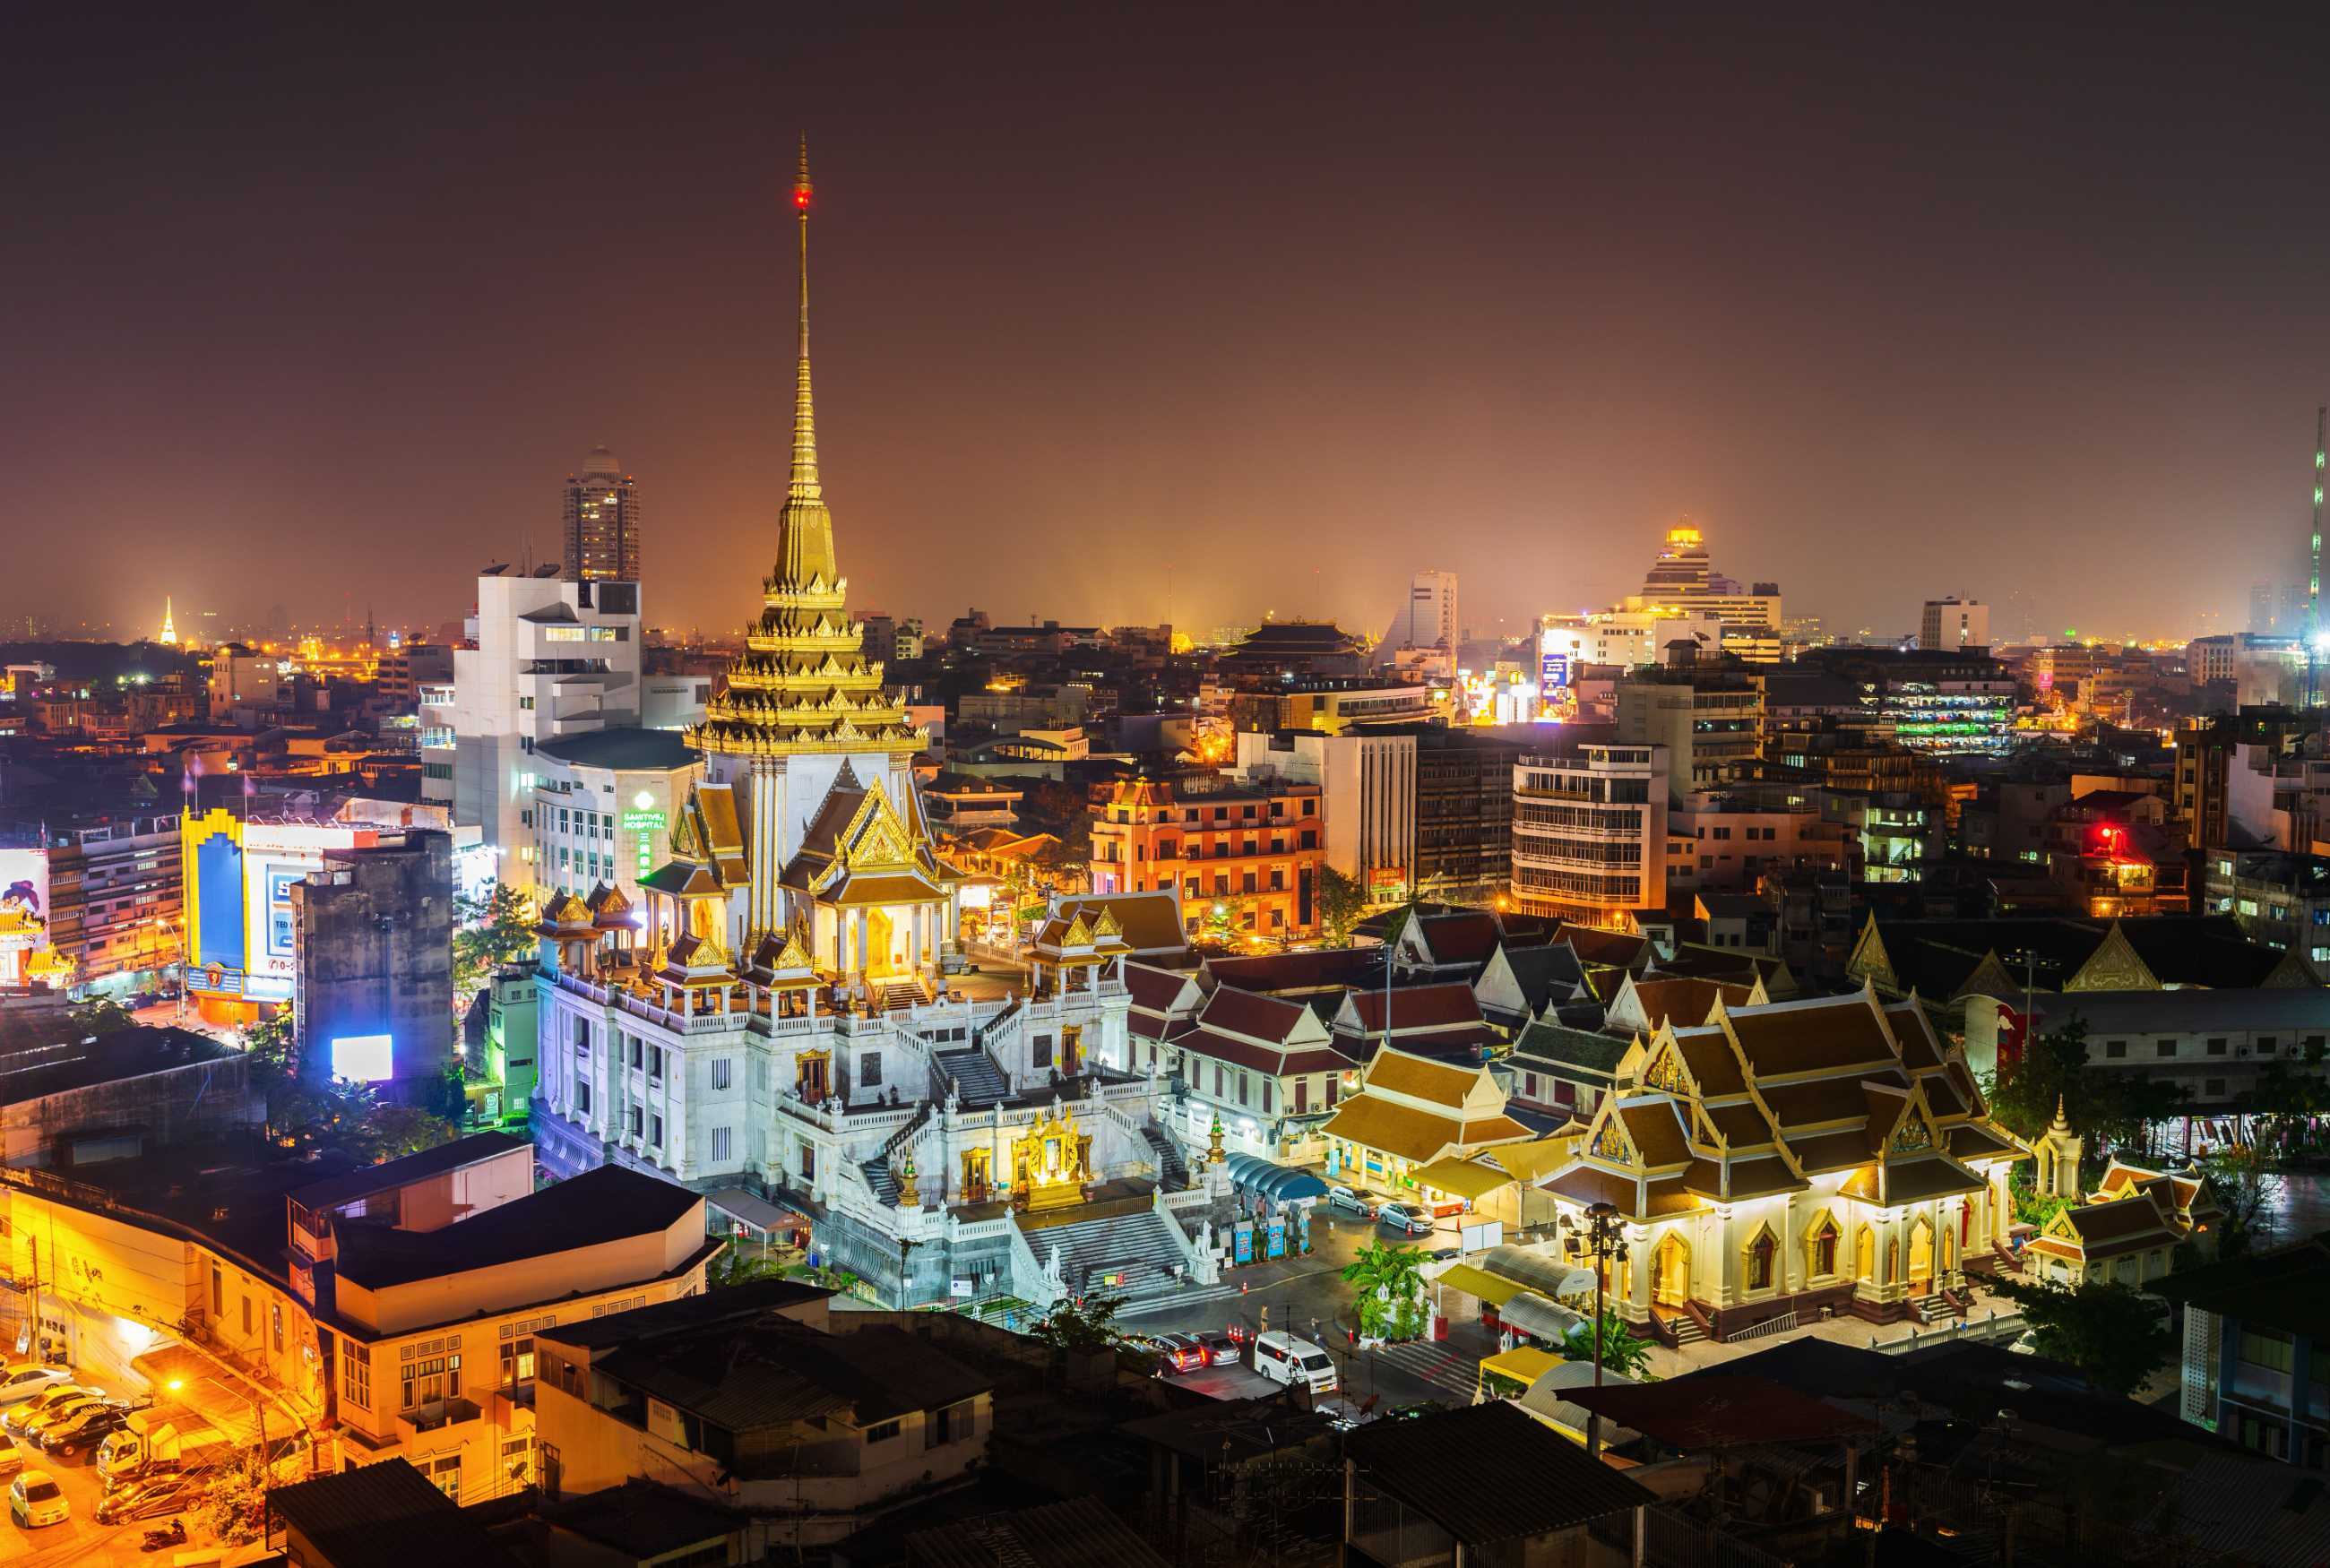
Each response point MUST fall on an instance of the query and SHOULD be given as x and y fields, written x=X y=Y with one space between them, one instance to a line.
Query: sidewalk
x=1988 y=1305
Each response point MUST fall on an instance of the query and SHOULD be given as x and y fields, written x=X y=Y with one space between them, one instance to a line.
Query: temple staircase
x=896 y=995
x=1931 y=1309
x=976 y=1078
x=1172 y=1167
x=1138 y=1246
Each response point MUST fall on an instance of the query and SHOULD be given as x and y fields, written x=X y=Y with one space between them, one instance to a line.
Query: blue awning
x=1279 y=1183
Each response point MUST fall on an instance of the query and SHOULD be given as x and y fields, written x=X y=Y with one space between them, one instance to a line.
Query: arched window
x=1864 y=1252
x=1820 y=1247
x=1761 y=1252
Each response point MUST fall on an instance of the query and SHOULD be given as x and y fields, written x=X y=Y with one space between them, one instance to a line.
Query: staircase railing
x=898 y=1139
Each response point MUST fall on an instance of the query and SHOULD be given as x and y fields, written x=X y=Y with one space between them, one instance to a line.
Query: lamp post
x=1603 y=1238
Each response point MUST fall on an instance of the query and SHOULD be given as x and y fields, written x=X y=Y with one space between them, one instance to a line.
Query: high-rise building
x=1428 y=617
x=1683 y=582
x=1590 y=831
x=1953 y=625
x=546 y=657
x=602 y=521
x=2262 y=608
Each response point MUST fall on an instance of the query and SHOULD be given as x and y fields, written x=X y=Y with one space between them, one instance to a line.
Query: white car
x=22 y=1383
x=35 y=1500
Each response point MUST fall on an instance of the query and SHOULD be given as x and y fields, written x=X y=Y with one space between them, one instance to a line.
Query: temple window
x=1822 y=1247
x=1760 y=1253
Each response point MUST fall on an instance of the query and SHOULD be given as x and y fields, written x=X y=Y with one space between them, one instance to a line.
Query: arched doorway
x=1921 y=1257
x=1670 y=1270
x=1864 y=1255
x=881 y=962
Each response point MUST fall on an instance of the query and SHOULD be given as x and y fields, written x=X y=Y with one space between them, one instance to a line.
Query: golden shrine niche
x=1050 y=1166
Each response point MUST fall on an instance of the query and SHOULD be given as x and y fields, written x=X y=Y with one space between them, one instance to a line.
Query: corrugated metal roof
x=1490 y=1473
x=1080 y=1533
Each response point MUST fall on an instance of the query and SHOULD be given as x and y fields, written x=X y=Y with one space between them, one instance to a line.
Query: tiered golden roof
x=803 y=682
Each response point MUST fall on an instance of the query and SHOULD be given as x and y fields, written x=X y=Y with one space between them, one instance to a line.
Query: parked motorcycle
x=163 y=1537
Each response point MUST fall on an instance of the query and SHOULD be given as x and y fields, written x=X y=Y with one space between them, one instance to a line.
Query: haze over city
x=1104 y=297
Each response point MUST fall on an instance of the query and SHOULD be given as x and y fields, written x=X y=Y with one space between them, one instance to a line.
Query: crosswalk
x=1448 y=1370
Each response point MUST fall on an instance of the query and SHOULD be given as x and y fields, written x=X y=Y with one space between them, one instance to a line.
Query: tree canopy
x=2114 y=1334
x=492 y=931
x=1387 y=1282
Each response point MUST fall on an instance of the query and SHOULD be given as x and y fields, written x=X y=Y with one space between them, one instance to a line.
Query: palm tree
x=1388 y=1289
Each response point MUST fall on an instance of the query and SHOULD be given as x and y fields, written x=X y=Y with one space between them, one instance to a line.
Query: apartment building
x=1590 y=832
x=1247 y=857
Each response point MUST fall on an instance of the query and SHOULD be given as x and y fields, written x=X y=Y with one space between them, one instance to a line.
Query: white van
x=1283 y=1359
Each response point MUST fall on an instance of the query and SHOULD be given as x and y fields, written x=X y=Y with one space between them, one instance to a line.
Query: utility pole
x=1603 y=1238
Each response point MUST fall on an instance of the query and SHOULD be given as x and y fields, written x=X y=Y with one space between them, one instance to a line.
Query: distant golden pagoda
x=803 y=683
x=169 y=622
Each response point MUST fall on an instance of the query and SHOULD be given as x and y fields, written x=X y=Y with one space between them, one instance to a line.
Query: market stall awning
x=1461 y=1178
x=1531 y=1313
x=1279 y=1183
x=1464 y=1277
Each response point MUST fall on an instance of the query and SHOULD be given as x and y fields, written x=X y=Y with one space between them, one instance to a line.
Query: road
x=1307 y=1296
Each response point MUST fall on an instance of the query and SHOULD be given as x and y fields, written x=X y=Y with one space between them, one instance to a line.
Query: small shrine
x=1050 y=1165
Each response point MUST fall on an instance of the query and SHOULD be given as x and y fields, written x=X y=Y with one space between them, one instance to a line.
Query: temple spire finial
x=805 y=484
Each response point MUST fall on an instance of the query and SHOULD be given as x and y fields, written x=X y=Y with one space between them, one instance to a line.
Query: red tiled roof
x=1419 y=1007
x=1298 y=971
x=1460 y=939
x=1834 y=1032
x=1251 y=1014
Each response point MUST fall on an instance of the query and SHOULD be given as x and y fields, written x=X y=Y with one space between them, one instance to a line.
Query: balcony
x=435 y=1416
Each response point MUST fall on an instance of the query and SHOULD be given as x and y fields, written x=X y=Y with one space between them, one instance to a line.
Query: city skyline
x=1937 y=340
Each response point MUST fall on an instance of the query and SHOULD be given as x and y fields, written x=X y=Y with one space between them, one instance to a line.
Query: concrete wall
x=197 y=1100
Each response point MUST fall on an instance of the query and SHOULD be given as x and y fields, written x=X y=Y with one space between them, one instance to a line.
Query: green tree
x=377 y=1130
x=492 y=931
x=2053 y=1069
x=102 y=1018
x=2114 y=1334
x=1621 y=1352
x=2248 y=1191
x=1342 y=904
x=1081 y=1327
x=1387 y=1282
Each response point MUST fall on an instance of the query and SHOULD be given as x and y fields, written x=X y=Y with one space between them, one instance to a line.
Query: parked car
x=1407 y=1221
x=150 y=1499
x=84 y=1429
x=37 y=1427
x=26 y=1411
x=1224 y=1349
x=12 y=1455
x=1343 y=1200
x=1180 y=1353
x=1283 y=1359
x=19 y=1383
x=35 y=1500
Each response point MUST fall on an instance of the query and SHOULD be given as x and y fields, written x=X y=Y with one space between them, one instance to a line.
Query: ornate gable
x=1989 y=977
x=1870 y=960
x=1608 y=1140
x=2114 y=966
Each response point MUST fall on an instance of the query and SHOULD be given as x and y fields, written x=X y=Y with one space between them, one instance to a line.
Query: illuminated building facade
x=1244 y=858
x=548 y=659
x=386 y=1312
x=116 y=899
x=1682 y=581
x=601 y=523
x=239 y=868
x=1953 y=626
x=1590 y=832
x=1709 y=720
x=1793 y=1160
x=604 y=808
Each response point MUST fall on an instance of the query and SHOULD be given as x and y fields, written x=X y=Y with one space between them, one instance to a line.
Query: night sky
x=1123 y=316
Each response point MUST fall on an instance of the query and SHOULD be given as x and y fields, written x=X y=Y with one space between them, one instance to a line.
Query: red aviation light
x=800 y=197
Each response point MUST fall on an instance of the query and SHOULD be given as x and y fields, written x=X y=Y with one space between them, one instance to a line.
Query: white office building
x=1953 y=625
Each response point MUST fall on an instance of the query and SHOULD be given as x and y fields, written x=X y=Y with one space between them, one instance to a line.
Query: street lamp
x=1603 y=1238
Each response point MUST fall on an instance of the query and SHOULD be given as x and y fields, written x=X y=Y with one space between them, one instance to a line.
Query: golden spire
x=806 y=527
